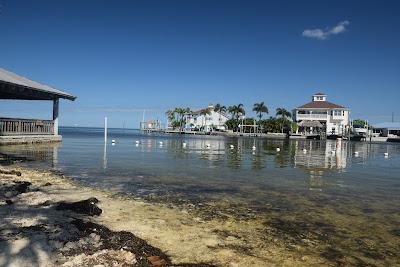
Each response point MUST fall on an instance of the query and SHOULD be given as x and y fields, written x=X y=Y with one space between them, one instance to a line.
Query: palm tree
x=284 y=114
x=260 y=108
x=181 y=113
x=170 y=115
x=237 y=111
x=220 y=109
x=204 y=113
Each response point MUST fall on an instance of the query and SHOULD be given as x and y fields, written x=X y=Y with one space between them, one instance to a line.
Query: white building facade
x=210 y=122
x=321 y=116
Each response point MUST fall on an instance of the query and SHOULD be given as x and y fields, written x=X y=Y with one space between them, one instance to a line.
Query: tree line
x=282 y=122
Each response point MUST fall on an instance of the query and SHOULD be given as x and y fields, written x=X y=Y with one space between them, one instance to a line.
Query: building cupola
x=319 y=97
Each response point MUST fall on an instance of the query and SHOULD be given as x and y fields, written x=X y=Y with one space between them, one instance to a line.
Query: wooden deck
x=27 y=131
x=17 y=127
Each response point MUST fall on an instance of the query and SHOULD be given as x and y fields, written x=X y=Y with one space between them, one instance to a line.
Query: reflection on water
x=349 y=188
x=211 y=161
x=39 y=153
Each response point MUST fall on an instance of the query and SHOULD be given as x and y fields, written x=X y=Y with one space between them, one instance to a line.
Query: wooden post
x=55 y=115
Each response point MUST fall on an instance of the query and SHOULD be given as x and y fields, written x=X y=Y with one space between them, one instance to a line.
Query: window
x=303 y=112
x=337 y=113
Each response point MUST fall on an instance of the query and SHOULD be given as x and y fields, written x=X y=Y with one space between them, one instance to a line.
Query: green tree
x=359 y=123
x=221 y=110
x=284 y=115
x=171 y=116
x=182 y=113
x=236 y=111
x=259 y=109
x=294 y=126
x=270 y=125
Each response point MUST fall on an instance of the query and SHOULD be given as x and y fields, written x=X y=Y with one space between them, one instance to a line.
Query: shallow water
x=324 y=200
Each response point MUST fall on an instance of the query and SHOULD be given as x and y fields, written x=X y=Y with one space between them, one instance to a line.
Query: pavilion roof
x=14 y=86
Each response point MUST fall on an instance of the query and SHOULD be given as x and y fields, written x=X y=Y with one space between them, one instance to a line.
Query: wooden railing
x=26 y=127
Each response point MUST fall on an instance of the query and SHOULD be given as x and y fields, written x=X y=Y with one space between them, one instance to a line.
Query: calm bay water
x=149 y=165
x=312 y=182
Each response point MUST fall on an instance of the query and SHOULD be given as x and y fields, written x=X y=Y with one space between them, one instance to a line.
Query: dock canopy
x=19 y=130
x=315 y=124
x=14 y=86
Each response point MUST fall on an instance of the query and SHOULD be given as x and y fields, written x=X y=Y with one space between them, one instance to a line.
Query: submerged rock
x=87 y=206
x=12 y=172
x=10 y=190
x=22 y=186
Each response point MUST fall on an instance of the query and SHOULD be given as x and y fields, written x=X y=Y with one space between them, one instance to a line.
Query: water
x=325 y=194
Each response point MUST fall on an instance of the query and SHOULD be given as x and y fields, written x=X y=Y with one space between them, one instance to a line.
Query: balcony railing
x=337 y=117
x=312 y=116
x=26 y=127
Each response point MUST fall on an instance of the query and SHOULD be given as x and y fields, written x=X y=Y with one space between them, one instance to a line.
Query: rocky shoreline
x=48 y=219
x=38 y=230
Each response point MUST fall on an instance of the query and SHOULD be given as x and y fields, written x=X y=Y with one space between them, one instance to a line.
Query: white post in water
x=55 y=116
x=105 y=129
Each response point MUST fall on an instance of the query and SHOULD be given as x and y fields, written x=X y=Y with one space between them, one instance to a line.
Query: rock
x=343 y=261
x=46 y=203
x=12 y=172
x=123 y=240
x=87 y=207
x=47 y=184
x=9 y=202
x=304 y=258
x=22 y=186
x=157 y=261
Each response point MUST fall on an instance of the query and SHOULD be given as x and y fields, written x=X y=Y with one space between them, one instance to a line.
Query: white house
x=321 y=116
x=209 y=122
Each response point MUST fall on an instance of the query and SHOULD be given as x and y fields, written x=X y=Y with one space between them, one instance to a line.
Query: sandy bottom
x=187 y=234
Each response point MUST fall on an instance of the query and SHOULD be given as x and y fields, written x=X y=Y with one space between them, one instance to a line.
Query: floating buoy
x=208 y=145
x=386 y=154
x=356 y=153
x=304 y=150
x=232 y=146
x=161 y=143
x=278 y=149
x=136 y=145
x=113 y=141
x=184 y=144
x=137 y=142
x=254 y=148
x=333 y=152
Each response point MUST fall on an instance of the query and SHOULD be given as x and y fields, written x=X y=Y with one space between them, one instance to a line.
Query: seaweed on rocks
x=123 y=240
x=145 y=254
x=19 y=187
x=87 y=206
x=12 y=172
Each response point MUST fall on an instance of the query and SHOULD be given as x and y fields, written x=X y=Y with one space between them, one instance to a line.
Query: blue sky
x=120 y=57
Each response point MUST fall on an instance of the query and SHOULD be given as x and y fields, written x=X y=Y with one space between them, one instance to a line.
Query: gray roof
x=388 y=125
x=12 y=78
